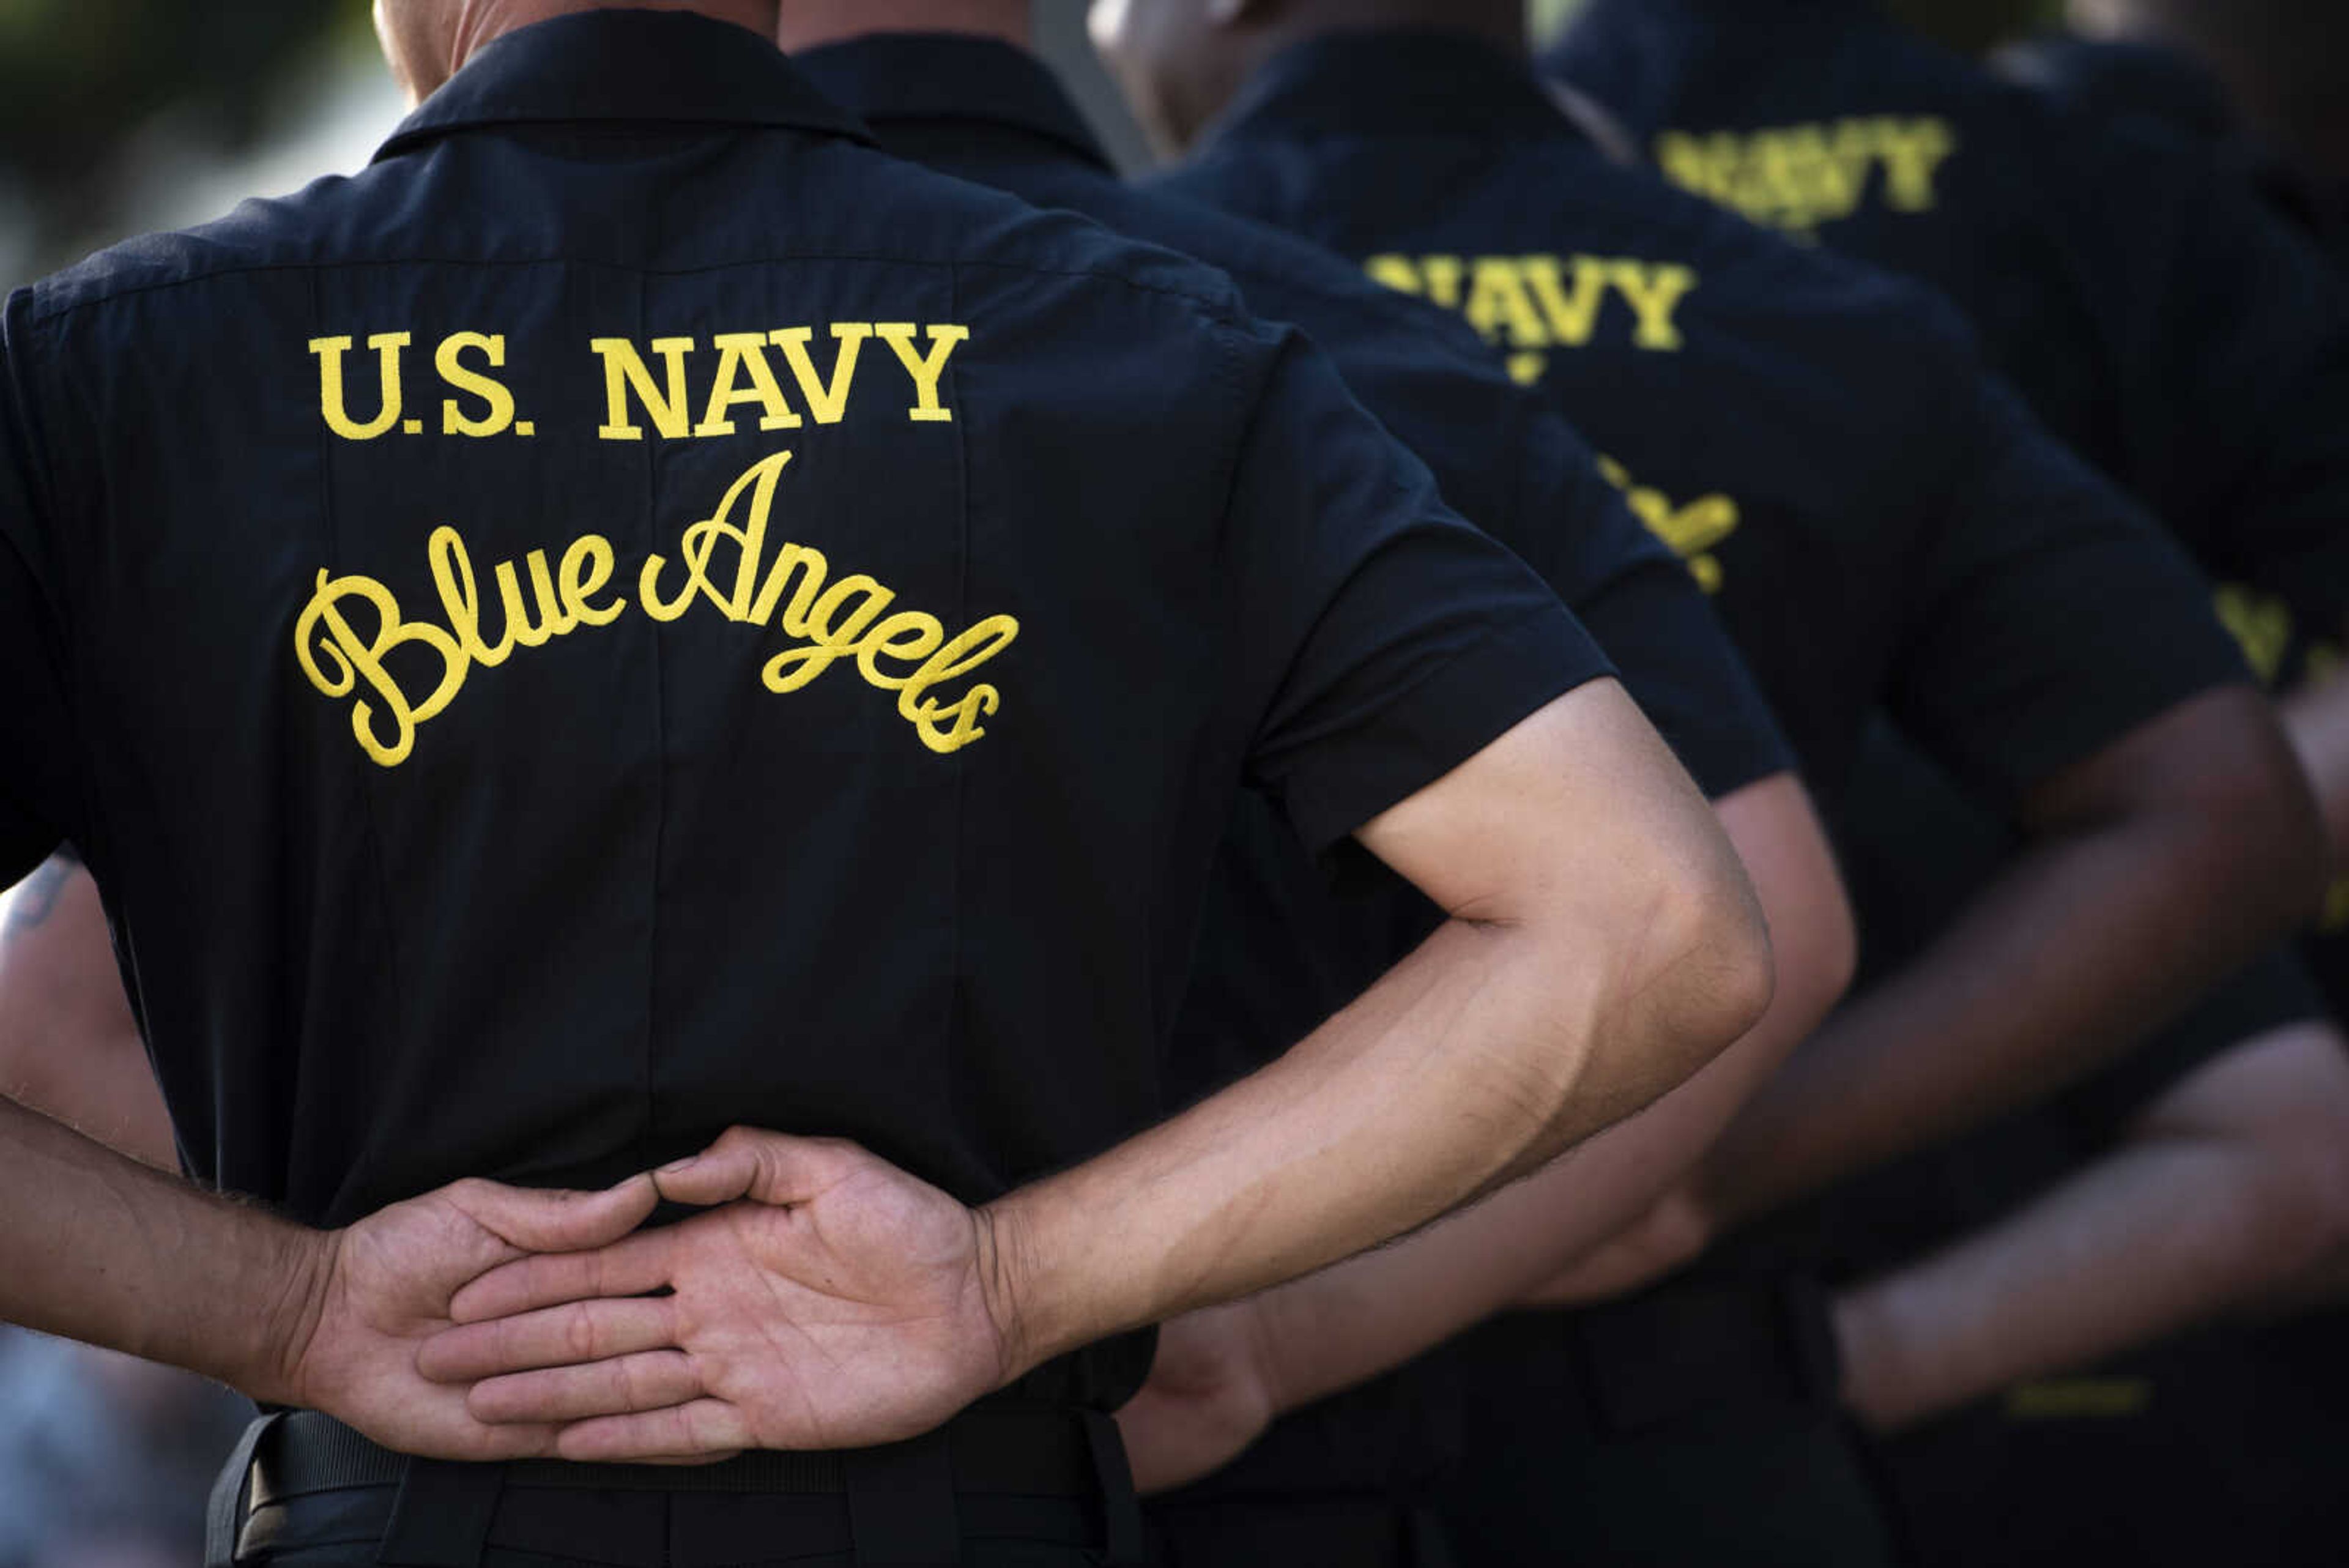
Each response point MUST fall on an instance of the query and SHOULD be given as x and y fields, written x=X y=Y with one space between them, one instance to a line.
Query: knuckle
x=579 y=1331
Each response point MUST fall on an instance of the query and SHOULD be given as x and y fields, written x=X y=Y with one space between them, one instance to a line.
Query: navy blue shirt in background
x=2160 y=318
x=2106 y=79
x=1881 y=522
x=640 y=612
x=984 y=111
x=1286 y=944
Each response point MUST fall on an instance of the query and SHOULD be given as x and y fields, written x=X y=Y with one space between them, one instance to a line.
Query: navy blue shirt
x=2161 y=88
x=1286 y=943
x=2123 y=78
x=984 y=111
x=2157 y=315
x=1881 y=522
x=640 y=612
x=1915 y=852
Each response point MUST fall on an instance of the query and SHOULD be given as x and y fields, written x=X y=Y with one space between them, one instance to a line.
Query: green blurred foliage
x=80 y=80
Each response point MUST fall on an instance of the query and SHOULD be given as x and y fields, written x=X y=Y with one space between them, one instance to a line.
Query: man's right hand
x=376 y=1290
x=826 y=1300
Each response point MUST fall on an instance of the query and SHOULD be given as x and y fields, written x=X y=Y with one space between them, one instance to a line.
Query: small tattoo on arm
x=35 y=897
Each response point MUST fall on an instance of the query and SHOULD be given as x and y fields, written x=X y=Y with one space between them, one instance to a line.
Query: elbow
x=2223 y=818
x=1816 y=965
x=2297 y=1217
x=2292 y=858
x=1735 y=952
x=2277 y=1107
x=2264 y=824
x=1710 y=964
x=2317 y=1181
x=1681 y=979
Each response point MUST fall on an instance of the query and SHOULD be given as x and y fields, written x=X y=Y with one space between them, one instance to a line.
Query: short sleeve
x=1389 y=641
x=1648 y=614
x=2051 y=616
x=2234 y=357
x=36 y=787
x=2273 y=992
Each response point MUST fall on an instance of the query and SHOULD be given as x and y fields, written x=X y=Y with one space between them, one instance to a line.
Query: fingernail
x=674 y=1166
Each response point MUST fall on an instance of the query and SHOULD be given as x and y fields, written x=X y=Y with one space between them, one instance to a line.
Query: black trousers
x=1324 y=1529
x=1025 y=1487
x=1695 y=1427
x=2229 y=1447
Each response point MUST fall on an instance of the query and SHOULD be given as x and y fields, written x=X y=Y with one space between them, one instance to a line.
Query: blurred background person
x=106 y=1456
x=2108 y=236
x=1411 y=139
x=2275 y=66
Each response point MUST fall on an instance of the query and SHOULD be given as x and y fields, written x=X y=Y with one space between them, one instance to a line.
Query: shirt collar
x=892 y=76
x=625 y=67
x=1392 y=80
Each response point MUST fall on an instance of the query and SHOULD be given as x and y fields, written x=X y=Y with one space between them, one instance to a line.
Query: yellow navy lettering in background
x=1530 y=304
x=1693 y=531
x=1796 y=177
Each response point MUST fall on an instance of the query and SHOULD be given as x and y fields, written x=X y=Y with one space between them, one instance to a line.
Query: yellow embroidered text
x=1530 y=304
x=1799 y=176
x=1693 y=531
x=353 y=639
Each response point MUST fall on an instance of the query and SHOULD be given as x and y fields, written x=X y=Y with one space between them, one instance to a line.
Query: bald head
x=1180 y=61
x=427 y=41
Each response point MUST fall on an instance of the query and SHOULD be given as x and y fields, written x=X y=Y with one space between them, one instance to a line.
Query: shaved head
x=1181 y=61
x=426 y=42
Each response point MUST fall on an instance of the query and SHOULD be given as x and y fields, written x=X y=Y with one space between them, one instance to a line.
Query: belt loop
x=1121 y=1510
x=901 y=1504
x=441 y=1517
x=225 y=1513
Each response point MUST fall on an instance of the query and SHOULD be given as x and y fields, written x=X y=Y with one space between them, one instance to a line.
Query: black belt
x=1690 y=1347
x=1368 y=1530
x=442 y=1515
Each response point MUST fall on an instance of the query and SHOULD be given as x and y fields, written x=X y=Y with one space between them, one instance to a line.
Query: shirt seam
x=1215 y=303
x=1494 y=635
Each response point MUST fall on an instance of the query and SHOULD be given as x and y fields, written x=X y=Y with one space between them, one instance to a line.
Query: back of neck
x=811 y=23
x=1501 y=23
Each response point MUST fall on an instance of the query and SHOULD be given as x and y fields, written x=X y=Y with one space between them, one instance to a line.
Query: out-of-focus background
x=122 y=116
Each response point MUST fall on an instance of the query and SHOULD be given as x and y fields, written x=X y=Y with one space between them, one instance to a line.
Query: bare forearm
x=2161 y=863
x=1604 y=947
x=1300 y=1165
x=2316 y=717
x=68 y=1045
x=107 y=1093
x=2154 y=1238
x=2084 y=944
x=1371 y=1313
x=100 y=1248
